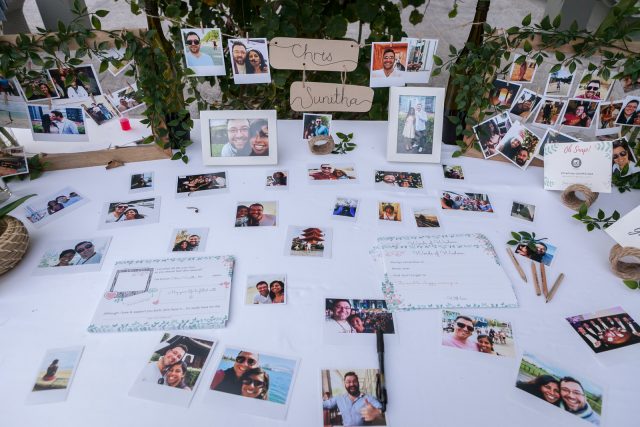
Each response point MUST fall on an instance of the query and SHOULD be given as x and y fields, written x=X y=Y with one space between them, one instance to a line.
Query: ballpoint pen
x=381 y=387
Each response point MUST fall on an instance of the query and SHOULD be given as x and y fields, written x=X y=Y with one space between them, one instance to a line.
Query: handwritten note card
x=626 y=230
x=442 y=271
x=313 y=54
x=311 y=96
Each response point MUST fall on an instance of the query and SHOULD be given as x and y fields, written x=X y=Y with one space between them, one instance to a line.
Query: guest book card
x=626 y=231
x=586 y=163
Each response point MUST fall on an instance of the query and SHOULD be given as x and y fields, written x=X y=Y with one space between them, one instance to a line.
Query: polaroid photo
x=389 y=211
x=606 y=330
x=593 y=87
x=523 y=211
x=419 y=59
x=256 y=214
x=552 y=136
x=338 y=385
x=426 y=217
x=10 y=90
x=607 y=114
x=130 y=213
x=277 y=179
x=415 y=124
x=13 y=161
x=42 y=210
x=123 y=100
x=388 y=179
x=526 y=103
x=572 y=394
x=249 y=60
x=628 y=85
x=188 y=239
x=64 y=124
x=39 y=88
x=580 y=113
x=327 y=172
x=559 y=83
x=140 y=182
x=490 y=133
x=523 y=72
x=14 y=115
x=203 y=51
x=478 y=334
x=345 y=208
x=549 y=112
x=624 y=160
x=118 y=54
x=388 y=64
x=473 y=202
x=55 y=375
x=345 y=318
x=201 y=184
x=77 y=256
x=239 y=137
x=630 y=114
x=174 y=370
x=519 y=145
x=308 y=242
x=452 y=171
x=99 y=109
x=78 y=82
x=503 y=93
x=254 y=382
x=316 y=125
x=266 y=289
x=543 y=253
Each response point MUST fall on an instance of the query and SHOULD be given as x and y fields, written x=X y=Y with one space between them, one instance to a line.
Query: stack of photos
x=328 y=172
x=173 y=371
x=398 y=179
x=476 y=333
x=426 y=218
x=624 y=161
x=203 y=51
x=559 y=83
x=99 y=110
x=357 y=316
x=14 y=115
x=523 y=211
x=570 y=393
x=132 y=212
x=57 y=123
x=388 y=64
x=254 y=382
x=277 y=179
x=474 y=202
x=201 y=184
x=266 y=289
x=79 y=255
x=55 y=375
x=189 y=240
x=453 y=172
x=593 y=87
x=255 y=214
x=316 y=125
x=345 y=208
x=542 y=252
x=419 y=59
x=525 y=104
x=519 y=145
x=123 y=100
x=41 y=210
x=40 y=87
x=580 y=113
x=606 y=330
x=308 y=241
x=249 y=60
x=630 y=114
x=141 y=182
x=389 y=211
x=490 y=133
x=607 y=115
x=549 y=112
x=78 y=82
x=349 y=398
x=13 y=161
x=552 y=136
x=522 y=70
x=503 y=93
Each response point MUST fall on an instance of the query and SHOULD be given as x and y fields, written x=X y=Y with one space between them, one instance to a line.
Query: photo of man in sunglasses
x=463 y=328
x=230 y=380
x=195 y=58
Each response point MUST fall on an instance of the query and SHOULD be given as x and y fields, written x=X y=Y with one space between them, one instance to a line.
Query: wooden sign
x=310 y=96
x=287 y=53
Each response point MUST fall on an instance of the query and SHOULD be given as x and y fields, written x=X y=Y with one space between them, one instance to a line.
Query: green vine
x=345 y=145
x=600 y=222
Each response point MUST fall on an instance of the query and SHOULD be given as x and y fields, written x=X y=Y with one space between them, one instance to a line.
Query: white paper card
x=626 y=231
x=586 y=163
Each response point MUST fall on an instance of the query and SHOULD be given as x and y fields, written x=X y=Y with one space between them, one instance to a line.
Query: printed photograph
x=349 y=398
x=415 y=124
x=624 y=161
x=203 y=51
x=316 y=125
x=580 y=113
x=398 y=179
x=593 y=87
x=9 y=89
x=134 y=212
x=606 y=330
x=99 y=110
x=79 y=255
x=519 y=145
x=141 y=182
x=476 y=333
x=357 y=316
x=249 y=60
x=255 y=214
x=239 y=137
x=503 y=93
x=266 y=289
x=57 y=369
x=490 y=133
x=309 y=241
x=559 y=83
x=118 y=54
x=570 y=393
x=388 y=64
x=78 y=82
x=14 y=115
x=426 y=218
x=189 y=239
x=201 y=183
x=41 y=87
x=345 y=207
x=13 y=161
x=549 y=112
x=542 y=252
x=329 y=172
x=523 y=72
x=57 y=123
x=552 y=136
x=452 y=172
x=389 y=211
x=607 y=115
x=40 y=210
x=474 y=202
x=629 y=85
x=523 y=211
x=525 y=104
x=123 y=100
x=630 y=114
x=277 y=179
x=419 y=59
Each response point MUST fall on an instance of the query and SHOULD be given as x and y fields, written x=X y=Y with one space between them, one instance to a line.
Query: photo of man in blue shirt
x=355 y=407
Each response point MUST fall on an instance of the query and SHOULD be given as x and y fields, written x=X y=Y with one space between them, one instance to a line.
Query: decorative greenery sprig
x=632 y=284
x=344 y=145
x=601 y=222
x=525 y=238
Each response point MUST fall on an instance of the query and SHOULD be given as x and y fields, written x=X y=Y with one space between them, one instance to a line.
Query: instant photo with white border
x=70 y=361
x=148 y=177
x=270 y=181
x=315 y=176
x=151 y=215
x=201 y=232
x=269 y=214
x=424 y=211
x=219 y=184
x=385 y=217
x=336 y=333
x=396 y=183
x=37 y=208
x=343 y=204
x=260 y=45
x=37 y=111
x=251 y=291
x=296 y=232
x=62 y=257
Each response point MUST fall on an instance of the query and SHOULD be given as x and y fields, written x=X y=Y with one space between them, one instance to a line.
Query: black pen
x=381 y=387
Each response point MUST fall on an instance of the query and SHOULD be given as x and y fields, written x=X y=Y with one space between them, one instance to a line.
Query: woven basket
x=14 y=241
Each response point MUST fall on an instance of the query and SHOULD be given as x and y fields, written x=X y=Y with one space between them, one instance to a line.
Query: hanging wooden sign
x=286 y=53
x=311 y=96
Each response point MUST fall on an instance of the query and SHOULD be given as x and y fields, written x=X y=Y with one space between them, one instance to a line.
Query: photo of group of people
x=13 y=161
x=77 y=82
x=474 y=202
x=357 y=316
x=580 y=113
x=630 y=114
x=201 y=183
x=525 y=104
x=308 y=241
x=549 y=113
x=55 y=375
x=348 y=398
x=389 y=211
x=249 y=60
x=277 y=179
x=239 y=137
x=503 y=93
x=519 y=145
x=415 y=124
x=316 y=125
x=345 y=207
x=453 y=172
x=559 y=83
x=57 y=124
x=100 y=110
x=523 y=211
x=133 y=212
x=606 y=330
x=41 y=210
x=203 y=51
x=398 y=179
x=624 y=160
x=189 y=239
x=141 y=182
x=87 y=254
x=476 y=333
x=490 y=133
x=123 y=100
x=554 y=385
x=426 y=218
x=256 y=214
x=542 y=252
x=328 y=172
x=522 y=70
x=266 y=289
